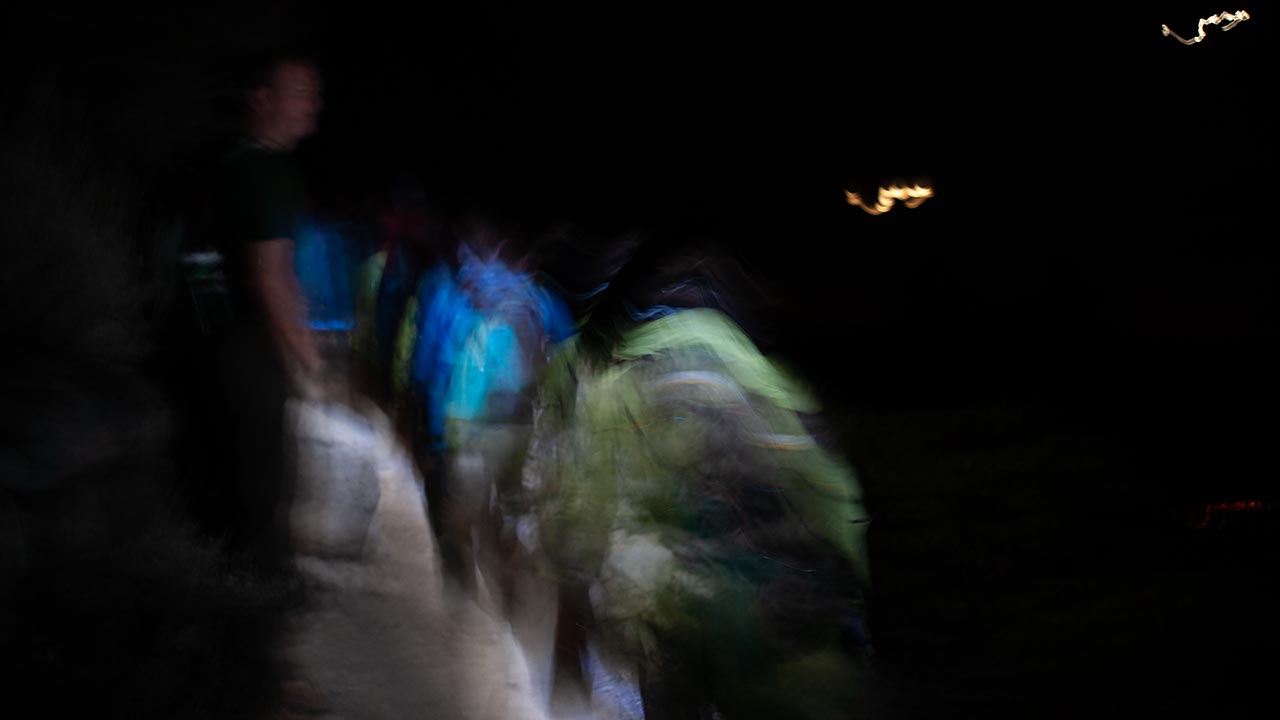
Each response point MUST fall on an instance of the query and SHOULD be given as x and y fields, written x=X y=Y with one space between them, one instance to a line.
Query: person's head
x=284 y=101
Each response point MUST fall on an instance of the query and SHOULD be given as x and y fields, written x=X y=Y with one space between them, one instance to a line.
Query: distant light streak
x=912 y=196
x=1211 y=509
x=1235 y=19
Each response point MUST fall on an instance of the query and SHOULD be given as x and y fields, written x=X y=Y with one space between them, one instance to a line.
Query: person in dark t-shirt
x=268 y=352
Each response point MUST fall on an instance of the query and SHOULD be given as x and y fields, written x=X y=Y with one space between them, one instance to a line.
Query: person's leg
x=261 y=467
x=465 y=501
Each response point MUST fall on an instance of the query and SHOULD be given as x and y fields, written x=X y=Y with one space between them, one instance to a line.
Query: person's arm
x=271 y=267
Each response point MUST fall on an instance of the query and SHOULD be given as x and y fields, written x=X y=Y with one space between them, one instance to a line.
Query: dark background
x=1042 y=374
x=1097 y=182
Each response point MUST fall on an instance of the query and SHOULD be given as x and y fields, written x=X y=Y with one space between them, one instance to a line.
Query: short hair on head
x=261 y=68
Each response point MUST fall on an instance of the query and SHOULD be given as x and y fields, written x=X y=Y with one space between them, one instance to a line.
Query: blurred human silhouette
x=257 y=349
x=708 y=546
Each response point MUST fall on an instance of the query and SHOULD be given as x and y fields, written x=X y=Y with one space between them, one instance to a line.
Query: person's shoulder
x=248 y=164
x=242 y=150
x=234 y=157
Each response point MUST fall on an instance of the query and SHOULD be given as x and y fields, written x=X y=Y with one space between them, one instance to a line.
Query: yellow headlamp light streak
x=1233 y=18
x=912 y=196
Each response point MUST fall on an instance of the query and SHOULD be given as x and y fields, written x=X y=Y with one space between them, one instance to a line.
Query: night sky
x=1075 y=334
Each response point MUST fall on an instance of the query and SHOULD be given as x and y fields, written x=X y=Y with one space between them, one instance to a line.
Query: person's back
x=715 y=547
